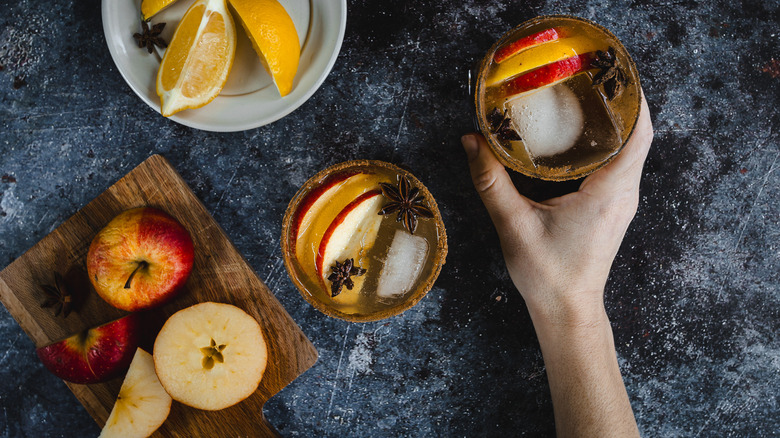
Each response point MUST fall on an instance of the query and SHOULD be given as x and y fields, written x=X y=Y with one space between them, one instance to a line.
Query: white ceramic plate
x=249 y=99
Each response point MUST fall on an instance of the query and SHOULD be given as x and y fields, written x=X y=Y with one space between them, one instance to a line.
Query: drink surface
x=346 y=249
x=557 y=97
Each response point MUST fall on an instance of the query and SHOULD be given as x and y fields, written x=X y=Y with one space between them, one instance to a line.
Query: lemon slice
x=198 y=59
x=274 y=38
x=150 y=8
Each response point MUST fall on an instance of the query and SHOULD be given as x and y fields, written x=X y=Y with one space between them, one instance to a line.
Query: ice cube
x=403 y=265
x=549 y=120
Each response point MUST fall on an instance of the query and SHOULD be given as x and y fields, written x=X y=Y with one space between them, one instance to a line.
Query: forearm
x=588 y=394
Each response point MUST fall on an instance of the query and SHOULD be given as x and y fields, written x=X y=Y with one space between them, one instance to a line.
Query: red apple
x=517 y=46
x=94 y=355
x=548 y=74
x=141 y=259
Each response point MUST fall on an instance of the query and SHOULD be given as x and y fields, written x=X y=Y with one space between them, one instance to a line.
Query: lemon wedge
x=150 y=8
x=274 y=38
x=198 y=59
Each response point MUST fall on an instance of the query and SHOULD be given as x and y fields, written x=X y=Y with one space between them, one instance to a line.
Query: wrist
x=572 y=310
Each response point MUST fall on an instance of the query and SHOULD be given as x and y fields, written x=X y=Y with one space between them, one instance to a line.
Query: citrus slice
x=150 y=8
x=542 y=55
x=198 y=59
x=274 y=38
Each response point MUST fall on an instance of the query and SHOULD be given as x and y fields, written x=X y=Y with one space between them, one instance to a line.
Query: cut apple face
x=142 y=405
x=210 y=356
x=351 y=234
x=542 y=55
x=94 y=355
x=513 y=48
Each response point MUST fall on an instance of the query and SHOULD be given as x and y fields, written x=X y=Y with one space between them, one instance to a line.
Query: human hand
x=558 y=252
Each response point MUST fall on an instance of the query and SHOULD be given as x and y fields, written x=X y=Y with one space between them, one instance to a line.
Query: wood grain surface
x=219 y=274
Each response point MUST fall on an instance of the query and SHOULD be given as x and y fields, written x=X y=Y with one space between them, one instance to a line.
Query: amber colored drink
x=557 y=97
x=363 y=240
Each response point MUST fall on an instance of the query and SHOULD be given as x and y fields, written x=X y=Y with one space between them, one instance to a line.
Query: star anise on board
x=407 y=201
x=501 y=125
x=340 y=276
x=610 y=75
x=150 y=36
x=58 y=296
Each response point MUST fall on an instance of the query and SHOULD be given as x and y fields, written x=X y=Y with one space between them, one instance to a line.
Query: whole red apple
x=94 y=355
x=141 y=259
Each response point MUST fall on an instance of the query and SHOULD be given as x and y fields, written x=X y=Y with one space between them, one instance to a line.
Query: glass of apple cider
x=363 y=240
x=557 y=97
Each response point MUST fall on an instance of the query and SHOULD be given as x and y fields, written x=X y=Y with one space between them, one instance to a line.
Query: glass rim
x=440 y=252
x=498 y=150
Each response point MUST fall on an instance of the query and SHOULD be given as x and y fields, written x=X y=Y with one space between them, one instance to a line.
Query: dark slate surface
x=693 y=294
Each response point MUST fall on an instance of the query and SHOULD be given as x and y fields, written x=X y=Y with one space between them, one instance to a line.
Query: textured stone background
x=693 y=295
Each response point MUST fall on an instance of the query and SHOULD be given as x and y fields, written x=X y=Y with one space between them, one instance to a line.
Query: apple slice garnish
x=511 y=49
x=322 y=210
x=210 y=355
x=142 y=404
x=314 y=202
x=548 y=74
x=542 y=55
x=352 y=233
x=94 y=355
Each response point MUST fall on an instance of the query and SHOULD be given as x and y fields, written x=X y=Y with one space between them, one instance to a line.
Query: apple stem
x=141 y=265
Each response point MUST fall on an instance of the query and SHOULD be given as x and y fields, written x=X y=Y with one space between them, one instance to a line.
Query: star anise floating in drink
x=407 y=201
x=58 y=297
x=150 y=36
x=501 y=125
x=341 y=275
x=610 y=75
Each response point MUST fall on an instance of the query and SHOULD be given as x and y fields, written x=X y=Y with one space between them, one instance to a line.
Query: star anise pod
x=407 y=201
x=501 y=125
x=610 y=74
x=150 y=36
x=58 y=296
x=340 y=276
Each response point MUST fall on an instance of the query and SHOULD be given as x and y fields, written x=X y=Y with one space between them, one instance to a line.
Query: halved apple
x=543 y=55
x=351 y=234
x=210 y=355
x=142 y=405
x=548 y=74
x=511 y=49
x=94 y=355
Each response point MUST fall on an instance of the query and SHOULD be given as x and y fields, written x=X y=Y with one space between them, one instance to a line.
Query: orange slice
x=542 y=55
x=273 y=37
x=151 y=7
x=198 y=59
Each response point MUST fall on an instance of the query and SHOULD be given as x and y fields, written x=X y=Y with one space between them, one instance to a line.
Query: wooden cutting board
x=219 y=274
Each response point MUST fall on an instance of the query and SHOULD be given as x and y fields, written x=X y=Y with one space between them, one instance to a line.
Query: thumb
x=504 y=204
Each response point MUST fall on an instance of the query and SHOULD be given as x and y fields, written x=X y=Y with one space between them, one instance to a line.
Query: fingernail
x=470 y=145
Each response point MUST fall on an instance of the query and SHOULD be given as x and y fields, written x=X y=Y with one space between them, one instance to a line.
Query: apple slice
x=352 y=233
x=548 y=74
x=142 y=405
x=323 y=210
x=542 y=55
x=95 y=355
x=314 y=202
x=511 y=49
x=210 y=355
